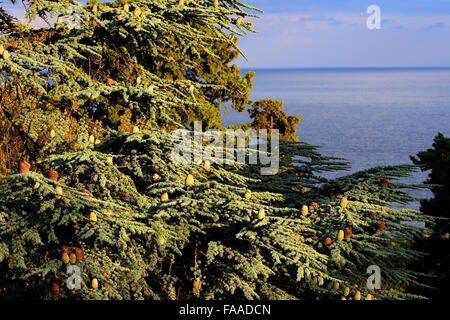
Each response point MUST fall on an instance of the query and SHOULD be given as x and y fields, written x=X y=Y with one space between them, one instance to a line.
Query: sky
x=334 y=34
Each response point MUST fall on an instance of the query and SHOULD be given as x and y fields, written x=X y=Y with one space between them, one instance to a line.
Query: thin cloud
x=318 y=19
x=438 y=25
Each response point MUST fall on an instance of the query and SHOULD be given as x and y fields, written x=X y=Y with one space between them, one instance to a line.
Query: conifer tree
x=135 y=224
x=268 y=114
x=25 y=125
x=436 y=160
x=114 y=68
x=6 y=20
x=141 y=232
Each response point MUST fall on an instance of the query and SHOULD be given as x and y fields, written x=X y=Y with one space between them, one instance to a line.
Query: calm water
x=371 y=117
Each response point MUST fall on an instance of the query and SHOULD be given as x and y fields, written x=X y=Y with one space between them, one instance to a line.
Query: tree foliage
x=153 y=235
x=436 y=160
x=162 y=68
x=138 y=225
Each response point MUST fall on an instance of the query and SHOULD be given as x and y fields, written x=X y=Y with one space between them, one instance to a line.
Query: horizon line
x=350 y=68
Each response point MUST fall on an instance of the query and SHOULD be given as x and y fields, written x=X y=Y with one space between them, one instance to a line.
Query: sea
x=369 y=116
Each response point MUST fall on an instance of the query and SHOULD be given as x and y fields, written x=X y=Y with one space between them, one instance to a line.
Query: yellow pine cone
x=65 y=258
x=2 y=49
x=358 y=295
x=73 y=258
x=135 y=129
x=91 y=139
x=126 y=7
x=180 y=3
x=304 y=210
x=196 y=283
x=189 y=180
x=94 y=283
x=165 y=197
x=341 y=235
x=59 y=192
x=93 y=217
x=109 y=160
x=248 y=195
x=369 y=297
x=206 y=165
x=52 y=133
x=5 y=55
x=346 y=291
x=36 y=185
x=239 y=21
x=95 y=8
x=344 y=202
x=137 y=12
x=336 y=286
x=216 y=3
x=261 y=214
x=304 y=189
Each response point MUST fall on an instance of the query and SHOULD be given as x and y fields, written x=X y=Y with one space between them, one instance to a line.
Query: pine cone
x=196 y=283
x=189 y=180
x=24 y=167
x=87 y=194
x=53 y=175
x=304 y=210
x=65 y=258
x=344 y=202
x=348 y=233
x=55 y=288
x=94 y=283
x=66 y=250
x=79 y=254
x=261 y=214
x=380 y=225
x=137 y=12
x=5 y=55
